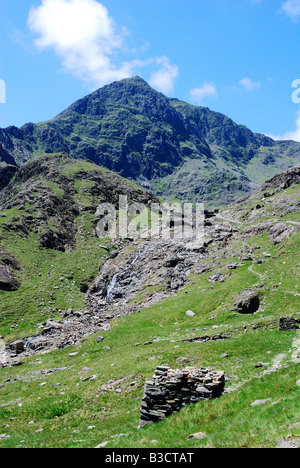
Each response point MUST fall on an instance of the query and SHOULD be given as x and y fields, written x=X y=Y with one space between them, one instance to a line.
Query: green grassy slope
x=54 y=400
x=62 y=192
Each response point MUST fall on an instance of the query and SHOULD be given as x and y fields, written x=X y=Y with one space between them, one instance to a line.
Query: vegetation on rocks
x=180 y=151
x=47 y=224
x=90 y=394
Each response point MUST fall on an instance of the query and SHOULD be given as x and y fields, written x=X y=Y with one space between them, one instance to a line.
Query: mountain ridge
x=179 y=151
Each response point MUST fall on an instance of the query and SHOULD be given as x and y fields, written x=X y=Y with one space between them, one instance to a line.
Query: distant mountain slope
x=179 y=150
x=5 y=157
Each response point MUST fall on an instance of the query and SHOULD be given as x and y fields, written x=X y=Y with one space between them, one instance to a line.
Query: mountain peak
x=127 y=85
x=180 y=151
x=134 y=80
x=116 y=94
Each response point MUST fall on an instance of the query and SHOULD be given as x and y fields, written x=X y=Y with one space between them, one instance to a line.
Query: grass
x=77 y=405
x=62 y=401
x=50 y=282
x=54 y=187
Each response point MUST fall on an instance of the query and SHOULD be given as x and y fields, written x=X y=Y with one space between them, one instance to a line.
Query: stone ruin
x=171 y=390
x=288 y=324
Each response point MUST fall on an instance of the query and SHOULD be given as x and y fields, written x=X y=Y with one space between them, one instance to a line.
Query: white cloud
x=82 y=34
x=207 y=90
x=87 y=40
x=163 y=79
x=2 y=92
x=293 y=135
x=250 y=85
x=291 y=8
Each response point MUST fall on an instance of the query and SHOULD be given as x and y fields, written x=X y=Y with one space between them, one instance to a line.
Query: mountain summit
x=178 y=150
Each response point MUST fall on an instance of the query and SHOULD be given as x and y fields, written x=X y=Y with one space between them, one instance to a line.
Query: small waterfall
x=115 y=279
x=111 y=287
x=28 y=342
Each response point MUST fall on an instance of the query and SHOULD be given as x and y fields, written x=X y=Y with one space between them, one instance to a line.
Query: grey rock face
x=6 y=173
x=8 y=282
x=284 y=444
x=152 y=268
x=5 y=157
x=284 y=180
x=170 y=390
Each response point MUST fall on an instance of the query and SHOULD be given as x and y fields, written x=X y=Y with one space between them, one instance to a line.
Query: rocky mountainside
x=178 y=150
x=284 y=180
x=8 y=167
x=131 y=306
x=50 y=193
x=5 y=157
x=47 y=210
x=53 y=199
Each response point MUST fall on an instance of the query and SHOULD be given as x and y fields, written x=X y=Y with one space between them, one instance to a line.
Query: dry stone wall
x=171 y=390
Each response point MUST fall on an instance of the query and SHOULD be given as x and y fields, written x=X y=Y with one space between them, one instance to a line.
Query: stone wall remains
x=171 y=390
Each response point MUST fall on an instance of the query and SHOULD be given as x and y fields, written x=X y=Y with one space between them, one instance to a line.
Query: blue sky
x=238 y=57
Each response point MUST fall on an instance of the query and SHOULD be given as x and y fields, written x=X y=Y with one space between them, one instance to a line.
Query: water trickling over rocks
x=119 y=279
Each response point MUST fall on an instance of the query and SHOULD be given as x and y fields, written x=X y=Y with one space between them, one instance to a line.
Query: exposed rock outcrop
x=284 y=180
x=7 y=171
x=51 y=191
x=5 y=157
x=8 y=259
x=247 y=302
x=8 y=281
x=152 y=268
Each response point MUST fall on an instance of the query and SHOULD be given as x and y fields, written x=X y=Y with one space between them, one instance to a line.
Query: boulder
x=217 y=278
x=247 y=302
x=279 y=233
x=190 y=313
x=198 y=435
x=17 y=346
